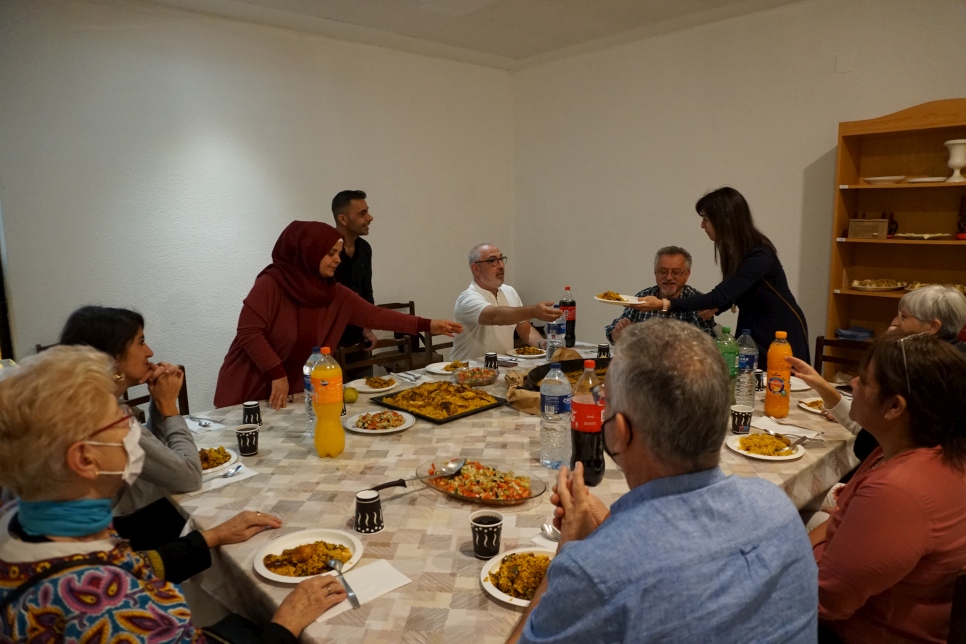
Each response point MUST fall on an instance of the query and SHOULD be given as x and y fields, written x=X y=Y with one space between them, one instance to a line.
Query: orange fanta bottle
x=778 y=384
x=327 y=402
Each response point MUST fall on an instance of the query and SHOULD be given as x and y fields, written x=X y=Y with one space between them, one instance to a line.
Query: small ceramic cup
x=252 y=413
x=247 y=436
x=368 y=512
x=487 y=527
x=741 y=419
x=759 y=380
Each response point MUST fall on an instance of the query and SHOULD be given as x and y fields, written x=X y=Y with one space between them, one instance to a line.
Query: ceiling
x=507 y=34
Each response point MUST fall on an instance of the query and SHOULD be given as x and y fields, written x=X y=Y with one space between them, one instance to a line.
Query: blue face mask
x=77 y=518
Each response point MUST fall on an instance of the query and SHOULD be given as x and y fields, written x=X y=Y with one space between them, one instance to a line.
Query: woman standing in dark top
x=753 y=278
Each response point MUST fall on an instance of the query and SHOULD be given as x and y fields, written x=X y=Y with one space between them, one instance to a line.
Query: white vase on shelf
x=957 y=159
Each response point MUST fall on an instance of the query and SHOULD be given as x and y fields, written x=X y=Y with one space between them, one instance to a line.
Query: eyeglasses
x=665 y=272
x=493 y=261
x=905 y=363
x=129 y=417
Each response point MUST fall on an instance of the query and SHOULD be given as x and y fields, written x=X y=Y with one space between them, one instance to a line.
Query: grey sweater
x=171 y=463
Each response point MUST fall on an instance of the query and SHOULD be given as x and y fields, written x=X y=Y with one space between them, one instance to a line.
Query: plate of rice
x=763 y=447
x=513 y=576
x=296 y=556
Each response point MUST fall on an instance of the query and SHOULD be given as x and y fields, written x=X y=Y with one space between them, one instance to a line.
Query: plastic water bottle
x=556 y=333
x=307 y=379
x=729 y=351
x=555 y=399
x=747 y=363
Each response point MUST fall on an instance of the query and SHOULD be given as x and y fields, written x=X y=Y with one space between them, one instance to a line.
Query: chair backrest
x=404 y=352
x=427 y=338
x=43 y=347
x=146 y=398
x=821 y=357
x=957 y=619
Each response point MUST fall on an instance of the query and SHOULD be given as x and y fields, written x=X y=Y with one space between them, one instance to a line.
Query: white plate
x=350 y=424
x=924 y=236
x=883 y=180
x=494 y=564
x=801 y=403
x=630 y=299
x=223 y=466
x=303 y=537
x=437 y=368
x=732 y=443
x=536 y=356
x=798 y=384
x=926 y=180
x=876 y=289
x=361 y=386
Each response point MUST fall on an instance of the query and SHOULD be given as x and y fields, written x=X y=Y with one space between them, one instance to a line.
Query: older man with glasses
x=688 y=554
x=672 y=268
x=491 y=311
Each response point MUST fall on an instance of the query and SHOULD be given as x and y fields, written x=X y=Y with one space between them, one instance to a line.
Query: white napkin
x=764 y=422
x=369 y=582
x=544 y=542
x=219 y=481
x=197 y=428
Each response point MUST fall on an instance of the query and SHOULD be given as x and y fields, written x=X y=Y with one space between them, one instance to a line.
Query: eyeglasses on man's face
x=494 y=261
x=676 y=273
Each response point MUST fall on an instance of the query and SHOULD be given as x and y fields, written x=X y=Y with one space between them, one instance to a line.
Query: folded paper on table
x=544 y=542
x=369 y=582
x=196 y=427
x=220 y=481
x=764 y=422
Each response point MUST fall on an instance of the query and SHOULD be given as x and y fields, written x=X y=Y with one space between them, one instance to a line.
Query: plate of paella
x=513 y=576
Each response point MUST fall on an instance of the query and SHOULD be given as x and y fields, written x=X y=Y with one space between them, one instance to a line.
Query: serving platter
x=926 y=180
x=494 y=564
x=732 y=443
x=302 y=537
x=896 y=178
x=537 y=485
x=350 y=424
x=361 y=386
x=876 y=289
x=381 y=400
x=224 y=466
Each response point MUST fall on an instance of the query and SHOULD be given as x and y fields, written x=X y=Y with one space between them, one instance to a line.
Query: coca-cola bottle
x=569 y=308
x=587 y=409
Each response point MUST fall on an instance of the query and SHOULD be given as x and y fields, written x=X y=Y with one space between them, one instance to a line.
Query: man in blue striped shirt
x=672 y=268
x=688 y=554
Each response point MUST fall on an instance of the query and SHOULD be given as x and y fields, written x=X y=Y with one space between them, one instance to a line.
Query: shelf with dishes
x=939 y=183
x=848 y=291
x=945 y=241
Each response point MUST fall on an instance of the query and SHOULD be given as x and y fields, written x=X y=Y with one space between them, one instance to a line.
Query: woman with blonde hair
x=67 y=449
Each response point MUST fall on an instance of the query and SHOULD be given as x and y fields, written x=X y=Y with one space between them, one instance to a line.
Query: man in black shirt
x=352 y=220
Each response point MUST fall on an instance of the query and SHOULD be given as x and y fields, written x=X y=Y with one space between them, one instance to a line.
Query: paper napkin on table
x=196 y=427
x=544 y=542
x=765 y=422
x=218 y=481
x=369 y=582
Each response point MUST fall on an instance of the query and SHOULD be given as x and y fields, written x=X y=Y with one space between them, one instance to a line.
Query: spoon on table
x=449 y=469
x=225 y=475
x=336 y=565
x=550 y=532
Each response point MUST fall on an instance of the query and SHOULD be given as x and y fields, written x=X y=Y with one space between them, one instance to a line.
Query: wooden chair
x=402 y=355
x=43 y=347
x=957 y=620
x=821 y=357
x=135 y=402
x=429 y=353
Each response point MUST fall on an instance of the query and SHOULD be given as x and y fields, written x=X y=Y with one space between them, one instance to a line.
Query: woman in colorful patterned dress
x=67 y=449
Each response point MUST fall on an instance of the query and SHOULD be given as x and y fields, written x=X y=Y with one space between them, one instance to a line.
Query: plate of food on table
x=764 y=447
x=440 y=402
x=878 y=285
x=216 y=459
x=812 y=405
x=514 y=576
x=446 y=368
x=295 y=557
x=486 y=483
x=527 y=353
x=613 y=297
x=379 y=422
x=373 y=384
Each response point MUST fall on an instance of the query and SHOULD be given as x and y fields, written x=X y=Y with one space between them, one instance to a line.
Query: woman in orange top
x=889 y=554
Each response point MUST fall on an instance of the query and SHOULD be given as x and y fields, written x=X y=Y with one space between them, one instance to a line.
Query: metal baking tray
x=381 y=400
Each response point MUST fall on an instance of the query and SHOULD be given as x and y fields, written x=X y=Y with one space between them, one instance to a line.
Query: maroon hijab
x=295 y=262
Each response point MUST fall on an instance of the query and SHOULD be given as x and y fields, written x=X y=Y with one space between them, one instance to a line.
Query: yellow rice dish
x=765 y=445
x=611 y=296
x=306 y=560
x=520 y=574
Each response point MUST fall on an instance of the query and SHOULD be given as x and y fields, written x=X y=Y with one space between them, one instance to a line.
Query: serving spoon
x=336 y=565
x=449 y=469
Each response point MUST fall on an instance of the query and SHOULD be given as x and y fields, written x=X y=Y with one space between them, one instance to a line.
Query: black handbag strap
x=54 y=569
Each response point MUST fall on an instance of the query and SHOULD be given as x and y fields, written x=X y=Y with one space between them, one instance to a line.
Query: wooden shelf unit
x=908 y=143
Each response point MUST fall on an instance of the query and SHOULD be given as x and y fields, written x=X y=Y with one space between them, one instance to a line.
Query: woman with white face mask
x=67 y=450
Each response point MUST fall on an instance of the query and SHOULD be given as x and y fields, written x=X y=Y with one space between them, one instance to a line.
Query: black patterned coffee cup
x=247 y=436
x=252 y=413
x=490 y=360
x=603 y=351
x=487 y=527
x=759 y=380
x=368 y=512
x=741 y=419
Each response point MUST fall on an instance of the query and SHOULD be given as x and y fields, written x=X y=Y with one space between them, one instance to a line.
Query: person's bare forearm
x=518 y=629
x=504 y=315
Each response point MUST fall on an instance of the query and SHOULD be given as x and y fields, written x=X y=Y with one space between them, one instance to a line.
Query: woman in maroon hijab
x=294 y=305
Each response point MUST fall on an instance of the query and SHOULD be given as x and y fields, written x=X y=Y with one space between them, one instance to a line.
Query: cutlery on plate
x=336 y=565
x=449 y=469
x=224 y=475
x=550 y=532
x=798 y=439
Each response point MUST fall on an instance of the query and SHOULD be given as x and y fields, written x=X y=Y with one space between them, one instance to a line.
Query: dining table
x=427 y=534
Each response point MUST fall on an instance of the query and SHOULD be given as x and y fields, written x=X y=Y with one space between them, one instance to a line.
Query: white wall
x=614 y=148
x=150 y=157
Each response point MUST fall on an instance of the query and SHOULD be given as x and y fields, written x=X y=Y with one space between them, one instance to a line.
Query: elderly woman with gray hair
x=67 y=449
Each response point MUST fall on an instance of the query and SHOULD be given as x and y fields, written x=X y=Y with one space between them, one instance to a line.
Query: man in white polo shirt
x=491 y=311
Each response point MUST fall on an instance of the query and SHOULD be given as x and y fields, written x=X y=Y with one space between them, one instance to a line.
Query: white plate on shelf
x=876 y=181
x=494 y=564
x=877 y=289
x=802 y=404
x=628 y=299
x=926 y=180
x=732 y=443
x=361 y=386
x=302 y=537
x=223 y=466
x=798 y=384
x=350 y=423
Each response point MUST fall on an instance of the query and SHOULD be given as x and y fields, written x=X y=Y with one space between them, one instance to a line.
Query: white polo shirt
x=476 y=339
